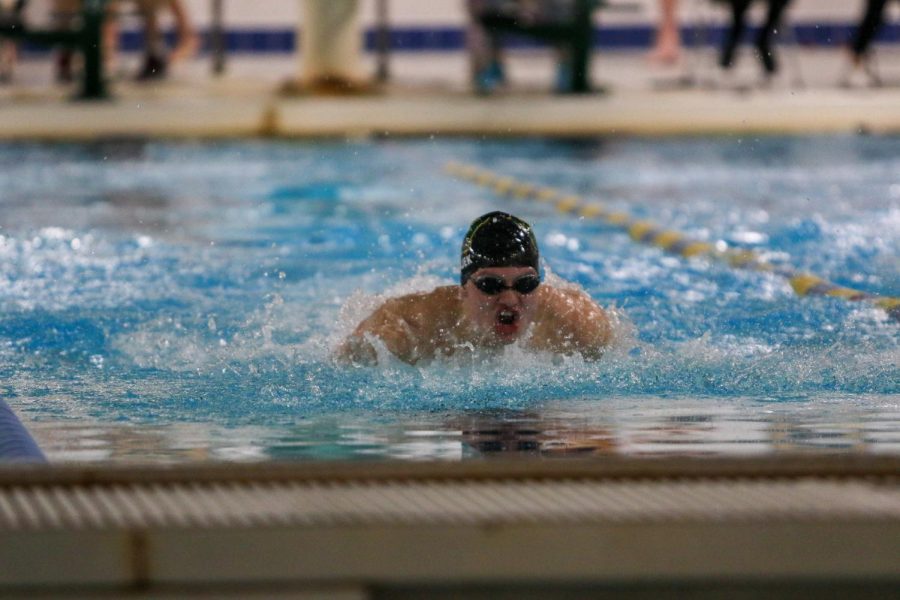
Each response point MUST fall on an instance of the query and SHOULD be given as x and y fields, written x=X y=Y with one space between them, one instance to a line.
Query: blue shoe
x=497 y=72
x=486 y=82
x=563 y=77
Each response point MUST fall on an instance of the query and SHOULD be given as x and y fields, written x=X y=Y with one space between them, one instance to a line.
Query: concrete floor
x=429 y=94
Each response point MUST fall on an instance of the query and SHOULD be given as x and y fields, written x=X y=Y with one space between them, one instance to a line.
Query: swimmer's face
x=503 y=317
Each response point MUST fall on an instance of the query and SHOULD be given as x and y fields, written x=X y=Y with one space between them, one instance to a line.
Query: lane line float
x=675 y=242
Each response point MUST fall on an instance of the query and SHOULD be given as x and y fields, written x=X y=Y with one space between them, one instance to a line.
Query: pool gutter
x=783 y=525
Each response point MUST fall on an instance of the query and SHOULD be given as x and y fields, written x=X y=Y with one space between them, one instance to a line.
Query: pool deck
x=428 y=95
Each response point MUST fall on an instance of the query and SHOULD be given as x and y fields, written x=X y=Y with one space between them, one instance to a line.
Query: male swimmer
x=500 y=300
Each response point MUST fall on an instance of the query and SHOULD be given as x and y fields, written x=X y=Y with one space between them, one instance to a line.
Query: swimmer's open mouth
x=507 y=317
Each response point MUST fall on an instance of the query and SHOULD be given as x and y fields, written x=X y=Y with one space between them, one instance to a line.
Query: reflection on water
x=635 y=427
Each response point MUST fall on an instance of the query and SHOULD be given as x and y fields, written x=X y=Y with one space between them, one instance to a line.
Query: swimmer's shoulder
x=565 y=298
x=412 y=327
x=443 y=296
x=571 y=313
x=422 y=308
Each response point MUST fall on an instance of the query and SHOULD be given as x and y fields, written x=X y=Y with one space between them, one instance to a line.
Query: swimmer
x=500 y=300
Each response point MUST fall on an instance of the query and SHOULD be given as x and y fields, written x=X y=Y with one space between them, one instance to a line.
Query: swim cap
x=498 y=239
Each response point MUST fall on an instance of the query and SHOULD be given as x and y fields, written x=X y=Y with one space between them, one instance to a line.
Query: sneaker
x=64 y=67
x=154 y=68
x=486 y=82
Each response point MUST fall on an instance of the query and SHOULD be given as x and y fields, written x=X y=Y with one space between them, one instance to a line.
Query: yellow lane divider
x=647 y=232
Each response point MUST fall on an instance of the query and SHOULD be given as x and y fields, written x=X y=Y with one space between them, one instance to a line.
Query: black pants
x=739 y=10
x=868 y=26
x=13 y=15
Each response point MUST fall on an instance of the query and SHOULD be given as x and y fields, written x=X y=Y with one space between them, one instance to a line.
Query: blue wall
x=452 y=39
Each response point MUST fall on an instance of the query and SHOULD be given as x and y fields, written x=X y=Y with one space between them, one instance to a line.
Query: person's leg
x=64 y=16
x=110 y=37
x=7 y=61
x=764 y=38
x=667 y=46
x=9 y=51
x=477 y=42
x=187 y=40
x=868 y=27
x=738 y=13
x=154 y=65
x=485 y=51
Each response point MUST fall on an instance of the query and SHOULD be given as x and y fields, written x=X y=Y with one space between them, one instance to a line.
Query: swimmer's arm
x=584 y=326
x=390 y=328
x=594 y=334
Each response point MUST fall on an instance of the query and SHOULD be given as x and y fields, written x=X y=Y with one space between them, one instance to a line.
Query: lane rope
x=675 y=242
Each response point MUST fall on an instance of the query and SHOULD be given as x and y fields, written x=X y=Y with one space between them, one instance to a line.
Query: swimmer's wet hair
x=498 y=239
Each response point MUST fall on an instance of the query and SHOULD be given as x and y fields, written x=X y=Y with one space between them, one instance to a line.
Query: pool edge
x=797 y=522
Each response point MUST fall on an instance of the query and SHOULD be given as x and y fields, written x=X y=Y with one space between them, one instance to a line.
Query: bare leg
x=188 y=41
x=9 y=49
x=8 y=55
x=111 y=37
x=667 y=47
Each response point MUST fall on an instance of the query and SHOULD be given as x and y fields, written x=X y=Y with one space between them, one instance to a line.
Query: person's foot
x=666 y=51
x=726 y=58
x=872 y=76
x=186 y=48
x=154 y=68
x=330 y=85
x=858 y=71
x=485 y=84
x=490 y=78
x=64 y=67
x=497 y=71
x=767 y=57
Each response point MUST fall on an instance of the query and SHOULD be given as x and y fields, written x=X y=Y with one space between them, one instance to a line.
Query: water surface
x=171 y=302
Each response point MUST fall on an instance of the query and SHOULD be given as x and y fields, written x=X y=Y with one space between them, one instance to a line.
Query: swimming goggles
x=493 y=285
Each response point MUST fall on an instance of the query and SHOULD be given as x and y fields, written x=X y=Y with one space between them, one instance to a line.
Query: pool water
x=180 y=301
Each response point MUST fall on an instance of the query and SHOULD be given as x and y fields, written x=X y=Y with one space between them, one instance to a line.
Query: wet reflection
x=638 y=427
x=115 y=150
x=530 y=433
x=139 y=210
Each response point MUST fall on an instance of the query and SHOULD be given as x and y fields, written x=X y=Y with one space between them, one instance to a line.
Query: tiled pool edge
x=801 y=520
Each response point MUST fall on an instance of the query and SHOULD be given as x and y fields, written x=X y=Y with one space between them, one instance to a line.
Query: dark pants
x=739 y=10
x=13 y=16
x=868 y=26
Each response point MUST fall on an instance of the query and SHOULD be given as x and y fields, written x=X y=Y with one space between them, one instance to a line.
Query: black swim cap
x=498 y=239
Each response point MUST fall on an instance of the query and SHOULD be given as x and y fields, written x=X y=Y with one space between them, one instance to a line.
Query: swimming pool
x=176 y=302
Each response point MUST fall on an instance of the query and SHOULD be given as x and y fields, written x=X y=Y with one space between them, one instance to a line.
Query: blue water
x=180 y=301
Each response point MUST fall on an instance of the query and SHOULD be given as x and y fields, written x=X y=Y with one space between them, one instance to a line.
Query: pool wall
x=796 y=527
